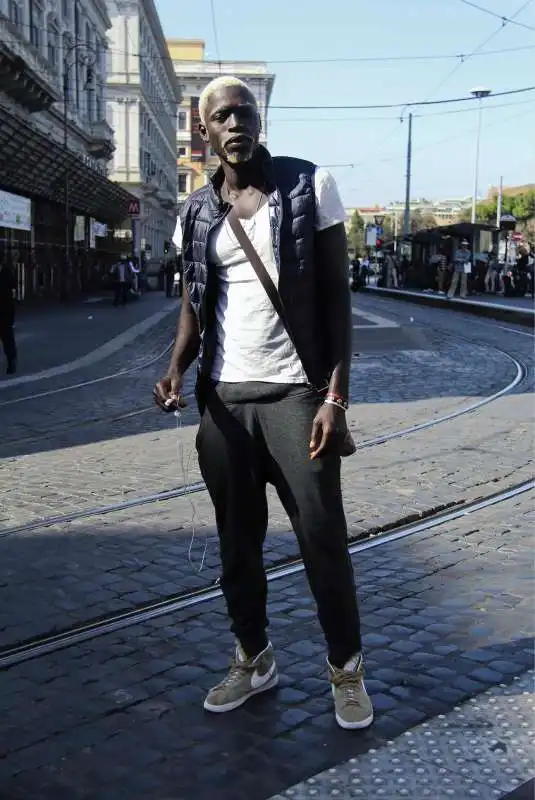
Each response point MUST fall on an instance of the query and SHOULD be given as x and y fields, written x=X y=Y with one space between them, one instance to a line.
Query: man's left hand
x=328 y=430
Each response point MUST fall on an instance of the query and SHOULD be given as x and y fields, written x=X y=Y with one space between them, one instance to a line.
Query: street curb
x=109 y=348
x=519 y=316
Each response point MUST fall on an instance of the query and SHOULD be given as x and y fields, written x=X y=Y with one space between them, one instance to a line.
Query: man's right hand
x=167 y=392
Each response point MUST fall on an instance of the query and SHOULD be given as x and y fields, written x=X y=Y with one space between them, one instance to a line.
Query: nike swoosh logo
x=258 y=680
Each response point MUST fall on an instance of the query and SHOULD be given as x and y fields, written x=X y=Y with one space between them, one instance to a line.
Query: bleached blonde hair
x=213 y=87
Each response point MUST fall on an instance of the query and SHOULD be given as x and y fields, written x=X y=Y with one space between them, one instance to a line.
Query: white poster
x=371 y=235
x=15 y=212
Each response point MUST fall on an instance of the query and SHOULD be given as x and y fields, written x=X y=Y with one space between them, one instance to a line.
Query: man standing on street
x=272 y=387
x=462 y=269
x=121 y=275
x=7 y=317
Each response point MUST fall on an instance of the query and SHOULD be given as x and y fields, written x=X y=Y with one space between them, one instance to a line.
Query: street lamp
x=82 y=55
x=480 y=93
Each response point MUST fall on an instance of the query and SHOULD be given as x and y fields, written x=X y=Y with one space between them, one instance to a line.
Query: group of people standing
x=482 y=275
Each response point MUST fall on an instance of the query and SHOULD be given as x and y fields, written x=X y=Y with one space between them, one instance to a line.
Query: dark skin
x=232 y=127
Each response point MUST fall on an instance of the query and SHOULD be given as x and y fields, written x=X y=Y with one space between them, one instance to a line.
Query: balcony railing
x=103 y=144
x=24 y=74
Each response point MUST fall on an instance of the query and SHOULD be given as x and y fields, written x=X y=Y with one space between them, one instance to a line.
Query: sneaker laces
x=237 y=669
x=350 y=683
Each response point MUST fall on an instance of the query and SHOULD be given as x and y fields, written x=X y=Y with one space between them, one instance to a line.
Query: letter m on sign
x=133 y=208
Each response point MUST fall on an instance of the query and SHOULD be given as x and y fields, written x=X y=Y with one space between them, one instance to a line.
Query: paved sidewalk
x=476 y=752
x=446 y=615
x=520 y=310
x=59 y=340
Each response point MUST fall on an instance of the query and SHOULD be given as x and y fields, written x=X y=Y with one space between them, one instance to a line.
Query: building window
x=182 y=152
x=52 y=46
x=99 y=104
x=65 y=9
x=36 y=24
x=182 y=183
x=182 y=120
x=15 y=12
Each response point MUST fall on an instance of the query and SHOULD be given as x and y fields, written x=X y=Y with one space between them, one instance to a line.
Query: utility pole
x=480 y=94
x=407 y=217
x=499 y=204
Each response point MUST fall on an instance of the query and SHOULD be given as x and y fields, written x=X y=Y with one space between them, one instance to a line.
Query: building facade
x=58 y=207
x=143 y=95
x=445 y=212
x=196 y=161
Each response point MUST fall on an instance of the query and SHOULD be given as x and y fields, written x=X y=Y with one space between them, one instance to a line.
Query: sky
x=366 y=149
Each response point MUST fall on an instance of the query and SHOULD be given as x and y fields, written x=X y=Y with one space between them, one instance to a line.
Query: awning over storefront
x=31 y=164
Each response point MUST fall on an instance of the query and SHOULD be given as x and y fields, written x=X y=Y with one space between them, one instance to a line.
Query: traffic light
x=166 y=247
x=378 y=243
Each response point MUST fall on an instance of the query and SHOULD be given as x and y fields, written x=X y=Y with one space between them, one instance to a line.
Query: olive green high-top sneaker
x=352 y=707
x=246 y=677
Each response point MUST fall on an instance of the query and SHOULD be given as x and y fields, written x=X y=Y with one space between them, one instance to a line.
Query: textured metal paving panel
x=480 y=750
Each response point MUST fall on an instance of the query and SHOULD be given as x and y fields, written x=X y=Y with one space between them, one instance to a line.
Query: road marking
x=375 y=319
x=514 y=330
x=111 y=346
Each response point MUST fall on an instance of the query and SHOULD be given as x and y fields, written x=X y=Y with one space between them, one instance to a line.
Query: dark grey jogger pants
x=252 y=434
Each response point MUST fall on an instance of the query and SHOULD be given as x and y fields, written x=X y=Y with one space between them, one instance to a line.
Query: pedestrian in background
x=462 y=268
x=121 y=274
x=7 y=317
x=391 y=270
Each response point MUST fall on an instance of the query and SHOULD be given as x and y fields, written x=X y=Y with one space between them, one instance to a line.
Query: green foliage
x=355 y=235
x=522 y=206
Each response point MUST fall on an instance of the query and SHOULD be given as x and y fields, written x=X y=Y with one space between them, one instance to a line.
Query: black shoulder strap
x=258 y=266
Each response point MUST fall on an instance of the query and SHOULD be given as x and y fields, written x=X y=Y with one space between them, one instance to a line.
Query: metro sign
x=133 y=208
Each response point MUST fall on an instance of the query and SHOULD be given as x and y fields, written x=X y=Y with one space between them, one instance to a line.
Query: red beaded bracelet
x=337 y=400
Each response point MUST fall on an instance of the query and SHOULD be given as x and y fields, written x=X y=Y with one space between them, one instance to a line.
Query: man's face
x=232 y=124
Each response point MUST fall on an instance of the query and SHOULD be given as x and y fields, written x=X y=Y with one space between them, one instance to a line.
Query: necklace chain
x=253 y=226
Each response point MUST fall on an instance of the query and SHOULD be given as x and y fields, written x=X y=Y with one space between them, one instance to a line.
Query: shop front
x=58 y=214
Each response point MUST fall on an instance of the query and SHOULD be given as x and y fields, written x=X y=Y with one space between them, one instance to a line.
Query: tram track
x=78 y=423
x=92 y=382
x=37 y=647
x=194 y=488
x=40 y=644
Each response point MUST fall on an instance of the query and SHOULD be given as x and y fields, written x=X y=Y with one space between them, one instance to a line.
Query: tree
x=522 y=206
x=419 y=221
x=355 y=235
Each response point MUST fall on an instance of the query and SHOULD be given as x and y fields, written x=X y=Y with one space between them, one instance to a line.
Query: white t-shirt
x=252 y=344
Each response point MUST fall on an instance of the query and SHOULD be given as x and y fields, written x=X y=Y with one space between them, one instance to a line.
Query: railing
x=101 y=130
x=12 y=38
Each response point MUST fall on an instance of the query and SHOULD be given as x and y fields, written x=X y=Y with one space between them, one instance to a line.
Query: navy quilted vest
x=298 y=278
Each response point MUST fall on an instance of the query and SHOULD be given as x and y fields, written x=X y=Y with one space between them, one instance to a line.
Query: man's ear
x=203 y=132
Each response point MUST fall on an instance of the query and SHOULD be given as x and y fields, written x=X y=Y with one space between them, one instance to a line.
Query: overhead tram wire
x=395 y=59
x=411 y=104
x=333 y=60
x=478 y=49
x=502 y=17
x=432 y=114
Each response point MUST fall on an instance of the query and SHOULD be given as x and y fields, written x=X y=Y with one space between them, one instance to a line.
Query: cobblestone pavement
x=49 y=337
x=92 y=567
x=478 y=751
x=446 y=614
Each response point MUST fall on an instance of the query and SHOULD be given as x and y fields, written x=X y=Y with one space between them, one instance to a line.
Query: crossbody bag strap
x=258 y=266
